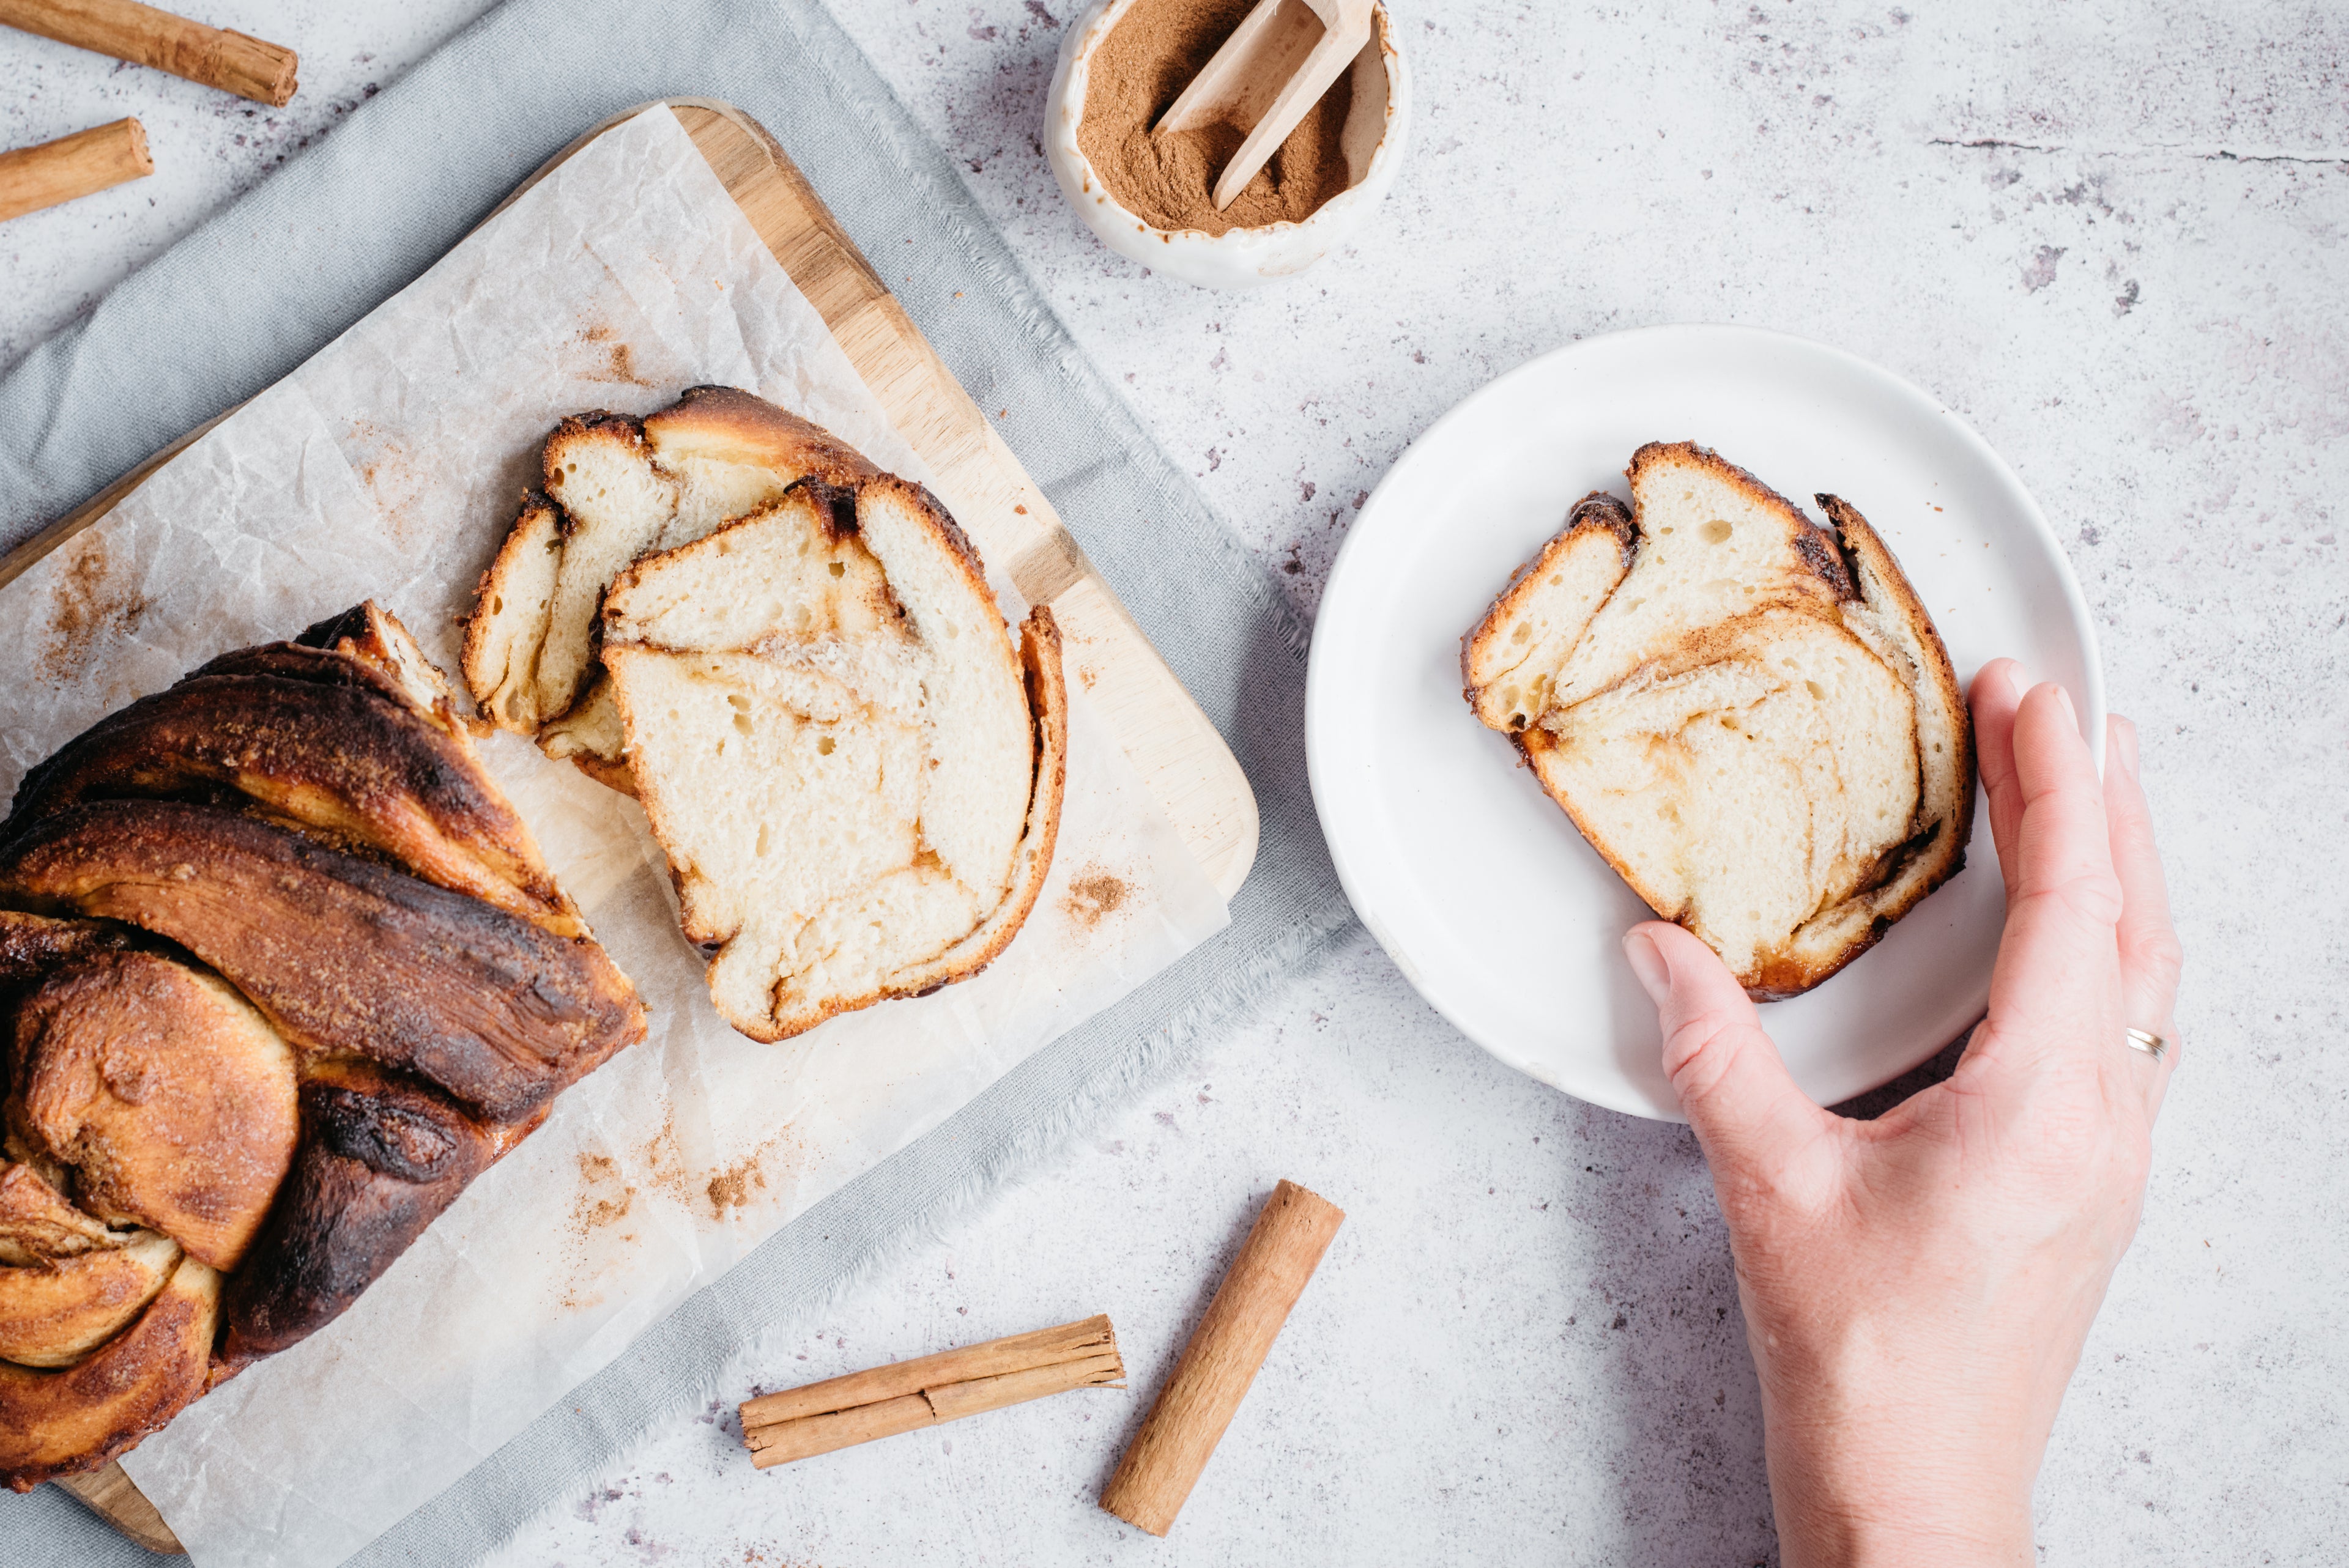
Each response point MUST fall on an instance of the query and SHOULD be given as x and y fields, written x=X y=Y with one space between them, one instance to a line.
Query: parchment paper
x=388 y=467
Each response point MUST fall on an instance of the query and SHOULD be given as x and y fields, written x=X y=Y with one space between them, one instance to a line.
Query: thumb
x=1732 y=1086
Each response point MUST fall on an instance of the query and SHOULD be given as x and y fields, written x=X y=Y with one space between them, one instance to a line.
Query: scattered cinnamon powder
x=620 y=360
x=1140 y=70
x=1094 y=894
x=89 y=606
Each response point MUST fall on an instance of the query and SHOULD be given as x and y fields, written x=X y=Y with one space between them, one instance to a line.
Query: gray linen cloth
x=271 y=280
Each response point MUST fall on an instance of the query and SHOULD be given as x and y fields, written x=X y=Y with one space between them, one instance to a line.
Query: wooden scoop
x=1274 y=68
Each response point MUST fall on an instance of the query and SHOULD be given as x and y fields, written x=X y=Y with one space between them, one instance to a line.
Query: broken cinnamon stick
x=841 y=1412
x=1282 y=1250
x=88 y=161
x=217 y=57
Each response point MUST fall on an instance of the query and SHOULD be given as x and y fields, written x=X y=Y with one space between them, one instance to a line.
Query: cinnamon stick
x=217 y=57
x=841 y=1412
x=1282 y=1250
x=32 y=178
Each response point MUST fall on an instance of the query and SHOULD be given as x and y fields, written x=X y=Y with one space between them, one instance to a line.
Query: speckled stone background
x=2112 y=236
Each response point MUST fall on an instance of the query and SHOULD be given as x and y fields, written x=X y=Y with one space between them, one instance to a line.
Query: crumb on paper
x=394 y=480
x=738 y=1185
x=86 y=607
x=731 y=1188
x=1094 y=894
x=605 y=1198
x=617 y=359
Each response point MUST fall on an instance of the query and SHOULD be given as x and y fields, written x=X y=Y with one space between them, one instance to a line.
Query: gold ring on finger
x=2152 y=1045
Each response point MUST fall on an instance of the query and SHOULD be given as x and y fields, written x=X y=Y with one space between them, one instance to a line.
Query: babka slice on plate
x=1750 y=715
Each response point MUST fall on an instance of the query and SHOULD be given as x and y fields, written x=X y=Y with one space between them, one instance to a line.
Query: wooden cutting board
x=1181 y=758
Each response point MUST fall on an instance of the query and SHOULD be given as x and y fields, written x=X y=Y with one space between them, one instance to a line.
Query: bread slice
x=855 y=778
x=617 y=489
x=1749 y=715
x=793 y=660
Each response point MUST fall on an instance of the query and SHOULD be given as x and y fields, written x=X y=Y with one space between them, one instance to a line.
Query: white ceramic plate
x=1478 y=886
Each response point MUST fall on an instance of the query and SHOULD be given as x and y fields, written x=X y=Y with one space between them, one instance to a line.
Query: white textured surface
x=1526 y=1350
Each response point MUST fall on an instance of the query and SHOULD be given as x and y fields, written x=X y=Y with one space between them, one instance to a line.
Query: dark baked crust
x=382 y=1156
x=32 y=944
x=342 y=955
x=342 y=757
x=295 y=662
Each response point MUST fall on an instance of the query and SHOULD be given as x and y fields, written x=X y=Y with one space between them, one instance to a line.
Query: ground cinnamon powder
x=1144 y=64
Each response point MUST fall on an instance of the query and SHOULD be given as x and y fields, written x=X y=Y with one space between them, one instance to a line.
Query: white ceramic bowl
x=1373 y=142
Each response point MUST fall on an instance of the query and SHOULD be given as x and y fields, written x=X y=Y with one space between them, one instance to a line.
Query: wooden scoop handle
x=1340 y=43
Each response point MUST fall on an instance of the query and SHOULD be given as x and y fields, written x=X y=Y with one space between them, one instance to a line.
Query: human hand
x=1917 y=1288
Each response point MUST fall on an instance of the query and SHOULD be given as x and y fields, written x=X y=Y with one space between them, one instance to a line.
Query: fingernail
x=1648 y=963
x=2123 y=746
x=2069 y=711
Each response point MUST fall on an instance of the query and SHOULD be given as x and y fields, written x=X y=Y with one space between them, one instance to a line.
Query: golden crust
x=728 y=425
x=40 y=1224
x=68 y=1422
x=168 y=1095
x=53 y=1314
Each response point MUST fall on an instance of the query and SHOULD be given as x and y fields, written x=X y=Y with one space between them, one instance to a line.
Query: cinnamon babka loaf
x=281 y=972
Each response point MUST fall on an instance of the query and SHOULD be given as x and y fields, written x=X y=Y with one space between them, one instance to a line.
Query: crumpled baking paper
x=389 y=467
